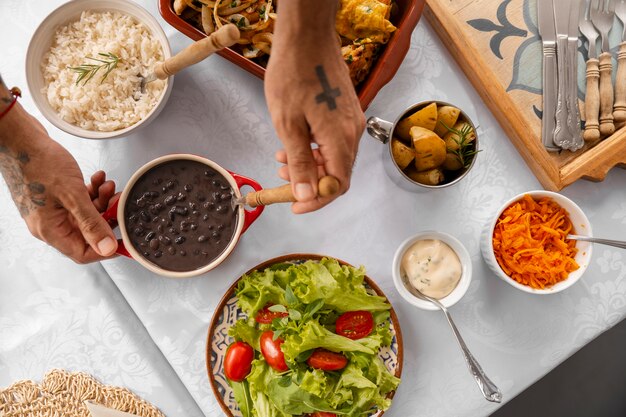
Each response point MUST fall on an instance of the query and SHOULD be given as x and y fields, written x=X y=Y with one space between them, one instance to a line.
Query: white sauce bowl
x=458 y=248
x=41 y=42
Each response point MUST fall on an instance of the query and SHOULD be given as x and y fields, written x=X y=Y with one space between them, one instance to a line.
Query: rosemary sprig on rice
x=86 y=72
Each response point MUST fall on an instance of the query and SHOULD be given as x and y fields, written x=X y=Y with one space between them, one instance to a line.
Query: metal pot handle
x=379 y=129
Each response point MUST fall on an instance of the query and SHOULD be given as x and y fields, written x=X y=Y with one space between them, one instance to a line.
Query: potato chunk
x=430 y=149
x=431 y=177
x=452 y=162
x=402 y=154
x=446 y=116
x=453 y=140
x=426 y=118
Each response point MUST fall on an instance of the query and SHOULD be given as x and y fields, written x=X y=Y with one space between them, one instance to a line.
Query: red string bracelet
x=15 y=92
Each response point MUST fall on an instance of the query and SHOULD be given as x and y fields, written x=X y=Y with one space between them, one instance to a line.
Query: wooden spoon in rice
x=222 y=38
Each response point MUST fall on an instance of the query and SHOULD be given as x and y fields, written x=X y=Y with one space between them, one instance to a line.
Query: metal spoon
x=194 y=53
x=326 y=187
x=616 y=243
x=490 y=391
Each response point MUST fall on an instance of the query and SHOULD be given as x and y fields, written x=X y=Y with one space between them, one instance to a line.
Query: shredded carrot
x=530 y=245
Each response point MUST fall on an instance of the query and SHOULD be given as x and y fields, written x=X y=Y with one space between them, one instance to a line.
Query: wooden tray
x=497 y=45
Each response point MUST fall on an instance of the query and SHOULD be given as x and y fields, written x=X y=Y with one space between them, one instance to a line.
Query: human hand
x=312 y=101
x=47 y=187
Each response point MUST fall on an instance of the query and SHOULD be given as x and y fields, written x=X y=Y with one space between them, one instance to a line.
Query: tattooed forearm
x=27 y=196
x=328 y=94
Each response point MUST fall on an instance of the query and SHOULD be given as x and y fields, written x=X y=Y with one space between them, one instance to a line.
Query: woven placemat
x=63 y=393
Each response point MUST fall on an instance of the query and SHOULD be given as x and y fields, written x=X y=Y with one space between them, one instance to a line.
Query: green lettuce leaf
x=241 y=392
x=314 y=335
x=243 y=331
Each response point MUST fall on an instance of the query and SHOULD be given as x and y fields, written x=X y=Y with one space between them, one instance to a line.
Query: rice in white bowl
x=116 y=102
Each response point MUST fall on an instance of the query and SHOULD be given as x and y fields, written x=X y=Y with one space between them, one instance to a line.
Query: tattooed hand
x=47 y=188
x=312 y=101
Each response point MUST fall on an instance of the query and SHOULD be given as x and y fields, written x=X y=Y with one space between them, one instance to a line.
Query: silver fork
x=602 y=13
x=619 y=109
x=592 y=94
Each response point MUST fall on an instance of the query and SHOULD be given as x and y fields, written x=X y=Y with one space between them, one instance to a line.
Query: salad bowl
x=228 y=313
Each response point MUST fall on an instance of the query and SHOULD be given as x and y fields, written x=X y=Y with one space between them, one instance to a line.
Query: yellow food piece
x=452 y=139
x=426 y=118
x=365 y=20
x=430 y=149
x=402 y=154
x=446 y=116
x=452 y=162
x=431 y=177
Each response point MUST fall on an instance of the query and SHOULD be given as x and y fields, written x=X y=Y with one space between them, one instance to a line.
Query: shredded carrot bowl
x=530 y=244
x=525 y=242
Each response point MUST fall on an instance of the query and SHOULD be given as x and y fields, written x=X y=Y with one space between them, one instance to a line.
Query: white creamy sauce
x=432 y=267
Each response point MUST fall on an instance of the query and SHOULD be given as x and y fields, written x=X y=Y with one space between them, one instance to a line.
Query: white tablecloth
x=130 y=327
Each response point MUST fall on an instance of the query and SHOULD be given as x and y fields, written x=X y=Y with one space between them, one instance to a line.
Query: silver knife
x=572 y=69
x=547 y=31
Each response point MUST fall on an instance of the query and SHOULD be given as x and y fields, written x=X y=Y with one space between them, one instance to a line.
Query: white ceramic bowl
x=581 y=227
x=41 y=42
x=457 y=247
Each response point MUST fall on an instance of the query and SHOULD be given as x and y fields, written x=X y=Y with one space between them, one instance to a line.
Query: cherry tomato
x=238 y=361
x=326 y=360
x=270 y=349
x=323 y=414
x=265 y=316
x=355 y=324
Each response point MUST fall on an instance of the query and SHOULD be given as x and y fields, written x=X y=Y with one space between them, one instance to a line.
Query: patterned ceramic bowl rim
x=40 y=44
x=581 y=226
x=287 y=258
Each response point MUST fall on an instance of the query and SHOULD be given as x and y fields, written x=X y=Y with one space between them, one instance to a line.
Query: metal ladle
x=490 y=391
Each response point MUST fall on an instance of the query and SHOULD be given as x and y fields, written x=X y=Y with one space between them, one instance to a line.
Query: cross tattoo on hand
x=329 y=94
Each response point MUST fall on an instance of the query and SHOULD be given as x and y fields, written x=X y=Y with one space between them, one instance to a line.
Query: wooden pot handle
x=592 y=102
x=619 y=110
x=327 y=186
x=197 y=51
x=606 y=95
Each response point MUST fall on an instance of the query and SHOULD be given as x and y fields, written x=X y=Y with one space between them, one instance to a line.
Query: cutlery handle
x=562 y=136
x=573 y=109
x=327 y=186
x=592 y=102
x=608 y=242
x=197 y=51
x=606 y=95
x=619 y=110
x=549 y=94
x=490 y=391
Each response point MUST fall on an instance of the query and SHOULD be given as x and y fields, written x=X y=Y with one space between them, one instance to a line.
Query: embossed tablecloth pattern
x=218 y=110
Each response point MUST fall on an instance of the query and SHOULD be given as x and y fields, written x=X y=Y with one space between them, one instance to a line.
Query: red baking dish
x=409 y=12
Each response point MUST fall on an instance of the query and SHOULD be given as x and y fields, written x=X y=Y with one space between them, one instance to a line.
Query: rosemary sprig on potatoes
x=459 y=142
x=108 y=62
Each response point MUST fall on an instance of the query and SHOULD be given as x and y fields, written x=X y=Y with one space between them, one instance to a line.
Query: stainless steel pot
x=383 y=130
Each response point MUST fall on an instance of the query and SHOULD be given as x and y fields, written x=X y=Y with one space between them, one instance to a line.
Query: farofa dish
x=363 y=27
x=530 y=242
x=92 y=71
